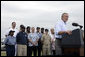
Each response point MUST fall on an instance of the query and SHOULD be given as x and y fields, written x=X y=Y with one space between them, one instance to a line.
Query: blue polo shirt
x=33 y=37
x=10 y=40
x=22 y=38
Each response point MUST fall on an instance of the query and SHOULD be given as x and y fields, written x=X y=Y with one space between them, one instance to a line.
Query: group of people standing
x=28 y=42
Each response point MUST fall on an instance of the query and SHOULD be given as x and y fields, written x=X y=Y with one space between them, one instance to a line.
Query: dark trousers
x=58 y=47
x=10 y=50
x=53 y=52
x=33 y=49
x=39 y=48
x=28 y=53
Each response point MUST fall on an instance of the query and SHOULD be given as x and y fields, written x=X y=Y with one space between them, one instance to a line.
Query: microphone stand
x=80 y=26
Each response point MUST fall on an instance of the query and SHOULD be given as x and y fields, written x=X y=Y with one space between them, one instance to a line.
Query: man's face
x=46 y=32
x=52 y=31
x=38 y=30
x=28 y=29
x=42 y=30
x=33 y=29
x=65 y=17
x=14 y=24
x=22 y=29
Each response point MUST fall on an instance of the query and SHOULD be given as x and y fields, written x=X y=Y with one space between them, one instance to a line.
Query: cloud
x=40 y=13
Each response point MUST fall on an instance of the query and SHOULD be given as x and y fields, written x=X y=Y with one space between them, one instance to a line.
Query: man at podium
x=60 y=29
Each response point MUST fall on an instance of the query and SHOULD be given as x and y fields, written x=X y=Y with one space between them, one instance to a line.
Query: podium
x=73 y=44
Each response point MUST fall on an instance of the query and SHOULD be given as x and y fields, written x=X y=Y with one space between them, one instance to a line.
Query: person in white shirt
x=13 y=28
x=60 y=29
x=52 y=41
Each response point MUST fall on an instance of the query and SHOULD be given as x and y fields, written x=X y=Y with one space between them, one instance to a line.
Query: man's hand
x=69 y=32
x=36 y=42
x=33 y=44
x=30 y=40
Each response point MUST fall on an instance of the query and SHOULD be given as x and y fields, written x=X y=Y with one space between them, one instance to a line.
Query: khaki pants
x=22 y=50
x=46 y=50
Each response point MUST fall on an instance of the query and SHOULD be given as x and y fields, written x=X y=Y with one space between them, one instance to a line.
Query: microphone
x=76 y=24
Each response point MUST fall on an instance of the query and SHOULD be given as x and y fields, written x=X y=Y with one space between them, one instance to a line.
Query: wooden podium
x=73 y=44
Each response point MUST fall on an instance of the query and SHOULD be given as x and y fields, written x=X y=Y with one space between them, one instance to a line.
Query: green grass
x=3 y=53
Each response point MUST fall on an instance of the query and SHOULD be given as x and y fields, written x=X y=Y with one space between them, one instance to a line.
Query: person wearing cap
x=39 y=41
x=13 y=27
x=22 y=41
x=46 y=41
x=33 y=42
x=10 y=42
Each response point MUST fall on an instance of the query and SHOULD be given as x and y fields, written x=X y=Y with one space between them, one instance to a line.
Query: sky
x=40 y=13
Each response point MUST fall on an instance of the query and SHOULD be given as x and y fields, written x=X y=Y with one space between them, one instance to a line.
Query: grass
x=3 y=53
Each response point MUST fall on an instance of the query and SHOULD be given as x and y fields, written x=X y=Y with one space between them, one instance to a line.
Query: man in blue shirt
x=39 y=41
x=22 y=40
x=28 y=32
x=33 y=42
